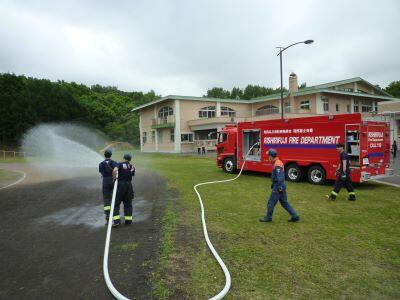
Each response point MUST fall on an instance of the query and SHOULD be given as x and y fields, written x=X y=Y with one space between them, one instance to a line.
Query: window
x=172 y=135
x=337 y=107
x=325 y=103
x=164 y=112
x=267 y=110
x=144 y=137
x=348 y=108
x=222 y=137
x=153 y=136
x=187 y=137
x=207 y=112
x=366 y=106
x=305 y=104
x=356 y=109
x=160 y=137
x=348 y=89
x=227 y=111
x=287 y=107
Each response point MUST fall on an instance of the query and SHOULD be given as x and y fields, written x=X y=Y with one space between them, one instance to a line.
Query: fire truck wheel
x=229 y=165
x=316 y=175
x=293 y=173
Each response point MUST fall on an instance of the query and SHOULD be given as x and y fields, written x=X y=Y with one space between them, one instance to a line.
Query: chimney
x=293 y=85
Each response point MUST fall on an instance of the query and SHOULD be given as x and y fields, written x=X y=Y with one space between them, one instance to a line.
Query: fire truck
x=307 y=147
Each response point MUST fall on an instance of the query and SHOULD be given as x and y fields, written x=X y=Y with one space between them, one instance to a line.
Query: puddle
x=92 y=216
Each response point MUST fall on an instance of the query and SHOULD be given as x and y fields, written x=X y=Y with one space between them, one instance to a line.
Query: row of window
x=185 y=137
x=210 y=111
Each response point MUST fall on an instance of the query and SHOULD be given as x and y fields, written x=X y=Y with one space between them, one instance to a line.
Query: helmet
x=272 y=152
x=127 y=156
x=107 y=153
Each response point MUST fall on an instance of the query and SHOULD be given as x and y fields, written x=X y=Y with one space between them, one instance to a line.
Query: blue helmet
x=272 y=152
x=127 y=156
x=107 y=153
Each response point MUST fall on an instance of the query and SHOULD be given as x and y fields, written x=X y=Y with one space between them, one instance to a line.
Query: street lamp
x=307 y=42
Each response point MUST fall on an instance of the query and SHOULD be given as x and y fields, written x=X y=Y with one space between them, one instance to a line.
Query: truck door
x=376 y=148
x=250 y=138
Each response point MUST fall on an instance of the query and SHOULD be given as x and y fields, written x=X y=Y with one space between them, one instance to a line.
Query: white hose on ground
x=18 y=181
x=110 y=286
x=227 y=286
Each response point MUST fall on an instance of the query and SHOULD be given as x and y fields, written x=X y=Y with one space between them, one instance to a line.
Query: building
x=390 y=110
x=182 y=124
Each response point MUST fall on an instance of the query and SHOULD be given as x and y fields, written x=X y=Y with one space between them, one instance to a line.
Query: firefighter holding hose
x=124 y=190
x=343 y=175
x=106 y=168
x=278 y=187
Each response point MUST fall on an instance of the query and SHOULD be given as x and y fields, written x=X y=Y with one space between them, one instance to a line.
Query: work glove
x=272 y=186
x=343 y=177
x=280 y=190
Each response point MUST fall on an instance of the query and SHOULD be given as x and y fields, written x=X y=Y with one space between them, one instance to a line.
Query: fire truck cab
x=307 y=147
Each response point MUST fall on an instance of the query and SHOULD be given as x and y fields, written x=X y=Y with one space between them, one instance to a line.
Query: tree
x=236 y=93
x=218 y=92
x=394 y=89
x=303 y=85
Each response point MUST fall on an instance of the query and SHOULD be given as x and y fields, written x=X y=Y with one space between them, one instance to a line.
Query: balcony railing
x=167 y=122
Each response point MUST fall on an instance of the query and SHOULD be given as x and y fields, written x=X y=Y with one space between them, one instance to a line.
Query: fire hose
x=110 y=285
x=227 y=286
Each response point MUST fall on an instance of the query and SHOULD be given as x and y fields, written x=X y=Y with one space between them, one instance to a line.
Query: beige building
x=183 y=124
x=390 y=110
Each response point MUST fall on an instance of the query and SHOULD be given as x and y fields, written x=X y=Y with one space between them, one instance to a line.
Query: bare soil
x=52 y=238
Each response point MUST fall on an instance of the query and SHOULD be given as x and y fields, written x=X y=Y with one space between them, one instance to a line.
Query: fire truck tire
x=293 y=173
x=316 y=175
x=229 y=165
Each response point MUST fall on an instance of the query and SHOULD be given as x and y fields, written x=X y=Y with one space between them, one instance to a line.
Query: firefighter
x=343 y=175
x=124 y=190
x=278 y=187
x=106 y=168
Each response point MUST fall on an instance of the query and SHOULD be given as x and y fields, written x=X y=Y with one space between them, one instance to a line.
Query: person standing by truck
x=278 y=187
x=343 y=175
x=394 y=148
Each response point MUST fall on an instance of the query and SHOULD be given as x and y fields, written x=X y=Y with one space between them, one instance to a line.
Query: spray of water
x=63 y=147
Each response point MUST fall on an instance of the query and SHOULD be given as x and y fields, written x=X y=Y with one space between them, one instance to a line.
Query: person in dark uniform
x=106 y=168
x=278 y=187
x=124 y=190
x=343 y=175
x=394 y=148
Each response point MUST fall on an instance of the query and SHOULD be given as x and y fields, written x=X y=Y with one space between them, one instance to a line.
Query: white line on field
x=18 y=181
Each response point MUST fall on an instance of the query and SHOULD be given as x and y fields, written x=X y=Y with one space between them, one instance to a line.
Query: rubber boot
x=295 y=219
x=265 y=219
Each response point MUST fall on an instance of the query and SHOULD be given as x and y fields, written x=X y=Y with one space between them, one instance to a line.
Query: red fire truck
x=307 y=146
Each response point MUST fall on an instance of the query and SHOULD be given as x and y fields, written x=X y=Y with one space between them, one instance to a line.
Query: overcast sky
x=184 y=47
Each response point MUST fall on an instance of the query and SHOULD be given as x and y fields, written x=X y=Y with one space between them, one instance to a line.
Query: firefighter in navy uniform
x=278 y=187
x=124 y=190
x=343 y=173
x=106 y=168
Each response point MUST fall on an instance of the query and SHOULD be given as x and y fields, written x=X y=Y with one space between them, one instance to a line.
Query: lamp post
x=307 y=42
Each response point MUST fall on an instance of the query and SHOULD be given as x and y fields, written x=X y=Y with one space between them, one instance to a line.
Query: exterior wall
x=342 y=100
x=258 y=105
x=164 y=142
x=313 y=105
x=146 y=115
x=190 y=111
x=388 y=106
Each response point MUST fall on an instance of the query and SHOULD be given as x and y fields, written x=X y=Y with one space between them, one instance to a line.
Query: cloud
x=185 y=47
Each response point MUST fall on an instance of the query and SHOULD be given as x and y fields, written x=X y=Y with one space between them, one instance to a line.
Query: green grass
x=9 y=160
x=127 y=246
x=339 y=249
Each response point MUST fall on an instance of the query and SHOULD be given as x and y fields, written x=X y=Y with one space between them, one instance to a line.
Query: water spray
x=227 y=286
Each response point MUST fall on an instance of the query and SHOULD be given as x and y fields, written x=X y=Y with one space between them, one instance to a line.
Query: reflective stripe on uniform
x=352 y=193
x=333 y=193
x=129 y=218
x=107 y=207
x=116 y=218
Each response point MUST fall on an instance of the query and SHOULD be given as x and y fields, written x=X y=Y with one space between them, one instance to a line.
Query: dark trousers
x=203 y=150
x=341 y=183
x=282 y=198
x=107 y=188
x=124 y=195
x=394 y=153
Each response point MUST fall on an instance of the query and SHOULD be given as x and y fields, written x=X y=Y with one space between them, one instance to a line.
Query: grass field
x=339 y=249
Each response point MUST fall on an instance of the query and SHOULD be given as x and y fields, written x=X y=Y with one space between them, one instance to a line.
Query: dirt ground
x=52 y=237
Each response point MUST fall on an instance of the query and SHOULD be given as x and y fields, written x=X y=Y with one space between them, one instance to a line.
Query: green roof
x=321 y=88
